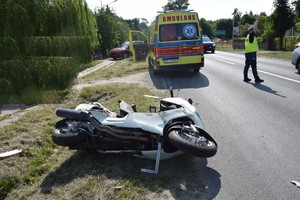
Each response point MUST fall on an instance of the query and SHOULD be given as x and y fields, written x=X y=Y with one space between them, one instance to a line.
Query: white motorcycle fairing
x=152 y=122
x=175 y=129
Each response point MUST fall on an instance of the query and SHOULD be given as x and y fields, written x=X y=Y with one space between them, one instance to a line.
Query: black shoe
x=247 y=79
x=259 y=80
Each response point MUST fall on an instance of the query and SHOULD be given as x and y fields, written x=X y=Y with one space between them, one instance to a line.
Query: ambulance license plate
x=171 y=61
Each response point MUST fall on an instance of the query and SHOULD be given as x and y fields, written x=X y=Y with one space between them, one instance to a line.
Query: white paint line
x=278 y=76
x=225 y=61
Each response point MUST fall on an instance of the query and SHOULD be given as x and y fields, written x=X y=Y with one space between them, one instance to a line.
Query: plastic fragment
x=297 y=183
x=10 y=153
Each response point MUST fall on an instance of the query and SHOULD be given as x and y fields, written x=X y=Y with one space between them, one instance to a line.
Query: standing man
x=251 y=47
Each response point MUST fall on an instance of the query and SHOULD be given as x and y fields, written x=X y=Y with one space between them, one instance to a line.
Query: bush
x=9 y=48
x=63 y=46
x=38 y=72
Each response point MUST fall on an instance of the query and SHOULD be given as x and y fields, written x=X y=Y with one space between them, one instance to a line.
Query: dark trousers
x=251 y=61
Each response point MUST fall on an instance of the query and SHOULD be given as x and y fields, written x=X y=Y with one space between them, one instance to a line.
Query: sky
x=208 y=9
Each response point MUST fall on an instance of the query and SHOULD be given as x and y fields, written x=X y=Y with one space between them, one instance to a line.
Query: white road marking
x=278 y=76
x=271 y=74
x=225 y=61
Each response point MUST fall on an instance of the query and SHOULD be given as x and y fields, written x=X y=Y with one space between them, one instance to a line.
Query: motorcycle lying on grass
x=175 y=129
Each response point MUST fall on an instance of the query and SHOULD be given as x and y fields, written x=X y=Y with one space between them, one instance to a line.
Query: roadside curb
x=11 y=108
x=105 y=63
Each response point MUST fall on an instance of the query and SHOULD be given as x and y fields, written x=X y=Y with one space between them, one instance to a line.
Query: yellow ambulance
x=174 y=42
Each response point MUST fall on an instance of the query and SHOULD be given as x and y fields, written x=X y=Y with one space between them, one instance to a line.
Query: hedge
x=40 y=72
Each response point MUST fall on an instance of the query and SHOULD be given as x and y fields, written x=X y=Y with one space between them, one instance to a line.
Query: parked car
x=209 y=45
x=297 y=45
x=120 y=52
x=296 y=58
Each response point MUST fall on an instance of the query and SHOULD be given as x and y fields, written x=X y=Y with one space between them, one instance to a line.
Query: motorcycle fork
x=155 y=171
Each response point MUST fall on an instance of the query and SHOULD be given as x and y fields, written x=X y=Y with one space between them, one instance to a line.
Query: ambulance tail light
x=156 y=50
x=202 y=48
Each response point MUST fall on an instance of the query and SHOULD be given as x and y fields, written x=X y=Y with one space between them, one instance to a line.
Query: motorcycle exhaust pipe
x=120 y=134
x=72 y=114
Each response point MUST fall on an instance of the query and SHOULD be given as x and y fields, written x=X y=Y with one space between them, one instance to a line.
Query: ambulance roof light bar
x=169 y=11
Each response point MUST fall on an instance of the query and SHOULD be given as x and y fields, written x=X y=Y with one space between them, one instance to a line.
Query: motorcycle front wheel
x=199 y=144
x=64 y=137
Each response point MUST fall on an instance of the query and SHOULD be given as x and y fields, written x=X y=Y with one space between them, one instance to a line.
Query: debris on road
x=297 y=183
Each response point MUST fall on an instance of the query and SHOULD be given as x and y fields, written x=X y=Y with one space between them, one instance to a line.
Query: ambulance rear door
x=138 y=45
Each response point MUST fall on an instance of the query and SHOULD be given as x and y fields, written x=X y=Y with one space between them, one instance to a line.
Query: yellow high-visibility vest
x=251 y=47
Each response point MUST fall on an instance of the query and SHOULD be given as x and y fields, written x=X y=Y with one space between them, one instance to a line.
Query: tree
x=248 y=18
x=176 y=5
x=296 y=4
x=38 y=37
x=139 y=24
x=237 y=17
x=107 y=29
x=282 y=17
x=225 y=24
x=206 y=28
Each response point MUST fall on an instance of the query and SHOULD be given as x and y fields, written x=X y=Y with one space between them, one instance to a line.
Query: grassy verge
x=286 y=55
x=4 y=117
x=121 y=68
x=31 y=95
x=46 y=171
x=32 y=133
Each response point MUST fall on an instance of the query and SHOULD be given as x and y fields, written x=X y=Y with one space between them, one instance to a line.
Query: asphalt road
x=256 y=126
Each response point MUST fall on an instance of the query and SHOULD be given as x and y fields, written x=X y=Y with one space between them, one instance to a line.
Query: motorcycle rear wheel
x=65 y=138
x=201 y=146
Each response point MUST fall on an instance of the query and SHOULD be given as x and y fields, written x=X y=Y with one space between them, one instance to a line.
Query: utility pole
x=233 y=31
x=107 y=4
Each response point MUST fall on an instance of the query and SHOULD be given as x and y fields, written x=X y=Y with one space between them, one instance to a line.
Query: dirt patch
x=14 y=112
x=142 y=78
x=104 y=63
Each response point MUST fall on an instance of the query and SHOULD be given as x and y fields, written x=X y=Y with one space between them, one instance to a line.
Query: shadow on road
x=179 y=80
x=266 y=89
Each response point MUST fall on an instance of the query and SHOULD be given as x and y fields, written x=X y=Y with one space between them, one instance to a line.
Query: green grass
x=225 y=47
x=120 y=69
x=286 y=55
x=32 y=95
x=109 y=95
x=32 y=133
x=4 y=117
x=91 y=64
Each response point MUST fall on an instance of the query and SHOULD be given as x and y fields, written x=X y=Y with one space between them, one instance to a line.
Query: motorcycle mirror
x=171 y=92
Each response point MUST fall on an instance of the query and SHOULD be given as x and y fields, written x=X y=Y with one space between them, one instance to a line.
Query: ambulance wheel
x=149 y=62
x=196 y=70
